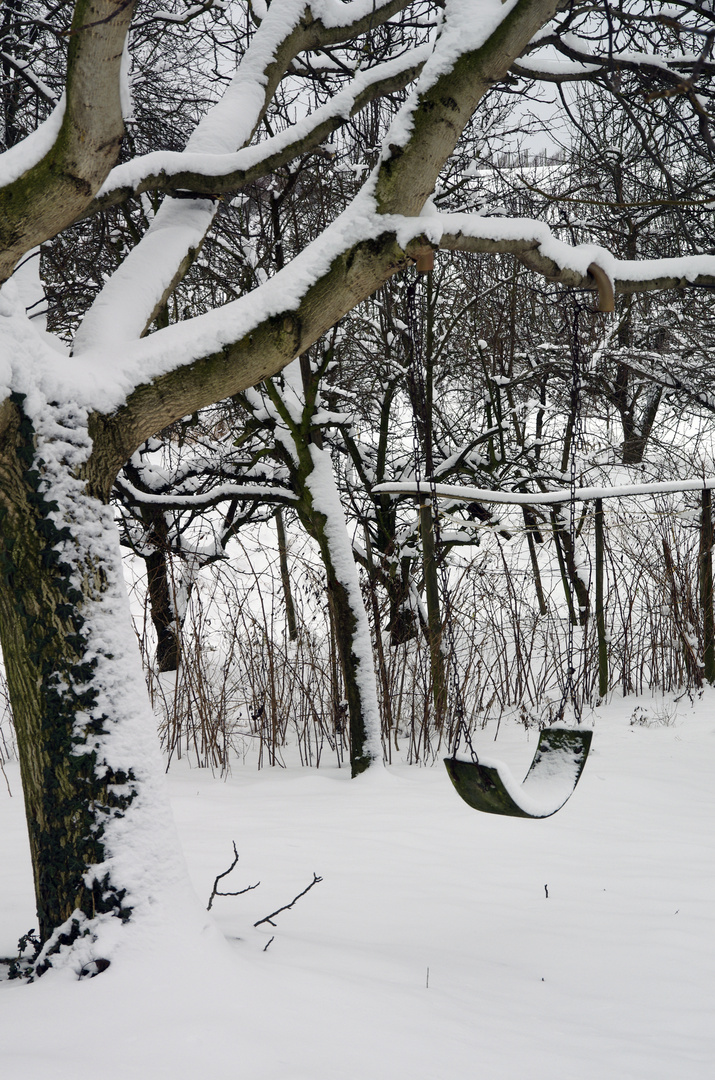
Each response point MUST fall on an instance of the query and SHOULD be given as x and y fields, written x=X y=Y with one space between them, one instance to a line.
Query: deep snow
x=610 y=975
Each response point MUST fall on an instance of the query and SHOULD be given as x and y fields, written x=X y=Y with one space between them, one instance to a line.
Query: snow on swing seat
x=488 y=784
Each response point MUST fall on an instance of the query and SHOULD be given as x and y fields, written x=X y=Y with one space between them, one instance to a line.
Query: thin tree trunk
x=322 y=515
x=530 y=527
x=386 y=702
x=285 y=576
x=161 y=607
x=706 y=586
x=434 y=620
x=600 y=605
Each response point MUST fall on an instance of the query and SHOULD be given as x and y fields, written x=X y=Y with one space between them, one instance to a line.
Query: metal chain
x=569 y=689
x=455 y=698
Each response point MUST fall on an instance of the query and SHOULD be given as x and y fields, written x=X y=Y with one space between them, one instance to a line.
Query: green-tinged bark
x=57 y=189
x=407 y=177
x=50 y=671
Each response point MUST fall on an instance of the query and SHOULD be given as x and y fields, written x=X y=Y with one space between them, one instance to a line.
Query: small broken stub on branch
x=425 y=262
x=606 y=298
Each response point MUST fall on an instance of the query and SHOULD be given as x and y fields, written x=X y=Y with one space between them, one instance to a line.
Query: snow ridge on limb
x=280 y=319
x=55 y=189
x=534 y=244
x=475 y=49
x=464 y=493
x=211 y=497
x=213 y=174
x=135 y=293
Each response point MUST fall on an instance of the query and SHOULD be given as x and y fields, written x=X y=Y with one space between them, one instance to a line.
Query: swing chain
x=419 y=399
x=569 y=689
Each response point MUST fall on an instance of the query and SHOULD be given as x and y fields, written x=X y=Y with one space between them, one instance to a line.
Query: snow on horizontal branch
x=134 y=295
x=30 y=151
x=116 y=370
x=460 y=493
x=219 y=172
x=202 y=499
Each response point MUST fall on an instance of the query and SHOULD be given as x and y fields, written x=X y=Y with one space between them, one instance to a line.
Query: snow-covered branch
x=461 y=493
x=62 y=165
x=225 y=351
x=201 y=500
x=213 y=174
x=132 y=297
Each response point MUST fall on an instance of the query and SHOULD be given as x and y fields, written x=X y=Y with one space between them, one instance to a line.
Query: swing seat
x=488 y=784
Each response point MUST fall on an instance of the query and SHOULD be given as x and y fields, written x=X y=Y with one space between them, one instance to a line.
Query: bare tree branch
x=269 y=918
x=215 y=891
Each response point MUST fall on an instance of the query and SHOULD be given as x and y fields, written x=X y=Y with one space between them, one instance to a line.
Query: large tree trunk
x=85 y=736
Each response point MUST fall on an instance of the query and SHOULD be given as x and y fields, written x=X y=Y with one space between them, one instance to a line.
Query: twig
x=274 y=938
x=215 y=892
x=269 y=918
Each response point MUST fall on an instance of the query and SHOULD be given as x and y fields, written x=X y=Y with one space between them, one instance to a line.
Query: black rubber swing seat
x=488 y=784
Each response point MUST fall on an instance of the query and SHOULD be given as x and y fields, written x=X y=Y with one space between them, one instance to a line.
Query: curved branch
x=265 y=330
x=429 y=127
x=53 y=191
x=214 y=175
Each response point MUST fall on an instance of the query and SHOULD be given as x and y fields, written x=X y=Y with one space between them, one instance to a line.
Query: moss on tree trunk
x=50 y=672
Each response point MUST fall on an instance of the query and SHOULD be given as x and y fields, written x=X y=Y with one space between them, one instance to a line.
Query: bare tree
x=68 y=423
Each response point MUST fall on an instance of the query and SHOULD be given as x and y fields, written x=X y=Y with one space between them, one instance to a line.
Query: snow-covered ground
x=612 y=974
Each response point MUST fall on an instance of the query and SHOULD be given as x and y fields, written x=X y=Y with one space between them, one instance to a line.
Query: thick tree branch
x=176 y=172
x=444 y=108
x=137 y=291
x=54 y=191
x=354 y=274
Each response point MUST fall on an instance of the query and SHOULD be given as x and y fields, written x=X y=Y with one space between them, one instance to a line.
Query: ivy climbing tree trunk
x=84 y=732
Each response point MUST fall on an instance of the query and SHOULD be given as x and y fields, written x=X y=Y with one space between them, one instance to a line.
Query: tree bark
x=61 y=598
x=434 y=619
x=322 y=516
x=163 y=614
x=285 y=576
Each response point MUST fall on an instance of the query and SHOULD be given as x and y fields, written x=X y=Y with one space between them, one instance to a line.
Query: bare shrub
x=245 y=690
